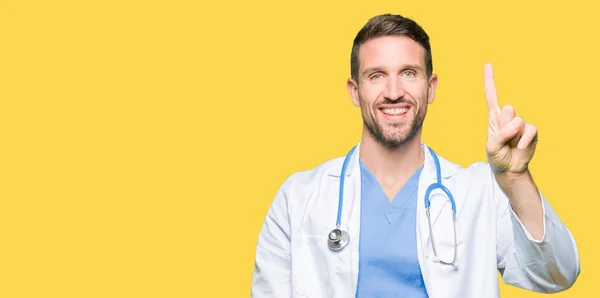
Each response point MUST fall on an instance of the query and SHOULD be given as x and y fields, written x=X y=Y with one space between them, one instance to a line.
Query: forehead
x=391 y=51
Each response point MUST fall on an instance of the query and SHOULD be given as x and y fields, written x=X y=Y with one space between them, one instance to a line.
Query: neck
x=391 y=165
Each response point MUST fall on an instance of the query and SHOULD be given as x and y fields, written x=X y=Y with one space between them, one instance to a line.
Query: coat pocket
x=312 y=264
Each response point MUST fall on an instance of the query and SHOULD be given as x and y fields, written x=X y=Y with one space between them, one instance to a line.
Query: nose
x=394 y=89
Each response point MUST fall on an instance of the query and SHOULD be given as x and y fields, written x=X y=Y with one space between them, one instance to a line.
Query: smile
x=395 y=112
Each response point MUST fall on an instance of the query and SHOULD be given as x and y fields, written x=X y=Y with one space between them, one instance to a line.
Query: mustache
x=388 y=101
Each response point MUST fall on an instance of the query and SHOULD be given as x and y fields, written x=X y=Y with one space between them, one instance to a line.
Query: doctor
x=394 y=219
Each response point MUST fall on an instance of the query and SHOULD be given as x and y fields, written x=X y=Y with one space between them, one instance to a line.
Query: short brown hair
x=386 y=25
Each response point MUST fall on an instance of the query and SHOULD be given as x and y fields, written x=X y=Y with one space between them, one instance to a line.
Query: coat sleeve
x=548 y=265
x=272 y=268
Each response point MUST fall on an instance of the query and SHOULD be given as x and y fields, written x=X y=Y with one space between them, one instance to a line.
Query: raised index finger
x=490 y=88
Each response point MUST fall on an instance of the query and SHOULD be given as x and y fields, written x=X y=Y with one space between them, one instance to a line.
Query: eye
x=376 y=77
x=410 y=74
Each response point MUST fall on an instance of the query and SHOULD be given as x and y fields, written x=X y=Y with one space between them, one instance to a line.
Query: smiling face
x=392 y=89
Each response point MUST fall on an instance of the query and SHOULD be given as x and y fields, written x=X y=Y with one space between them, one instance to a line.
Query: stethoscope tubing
x=338 y=238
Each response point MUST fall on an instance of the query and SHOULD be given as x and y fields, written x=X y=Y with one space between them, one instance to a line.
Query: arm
x=272 y=268
x=536 y=251
x=525 y=200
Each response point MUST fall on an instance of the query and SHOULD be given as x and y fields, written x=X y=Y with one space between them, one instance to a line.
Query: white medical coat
x=293 y=259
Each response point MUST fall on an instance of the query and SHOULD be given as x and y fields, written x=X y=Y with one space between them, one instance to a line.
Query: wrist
x=520 y=189
x=513 y=177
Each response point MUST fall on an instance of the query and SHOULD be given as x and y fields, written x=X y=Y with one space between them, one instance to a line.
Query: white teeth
x=397 y=111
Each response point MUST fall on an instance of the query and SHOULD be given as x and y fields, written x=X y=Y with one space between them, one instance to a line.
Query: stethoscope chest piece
x=337 y=239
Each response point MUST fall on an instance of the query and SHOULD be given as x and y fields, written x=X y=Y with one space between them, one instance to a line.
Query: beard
x=396 y=134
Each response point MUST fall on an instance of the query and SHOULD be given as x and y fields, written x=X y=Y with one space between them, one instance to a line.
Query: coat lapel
x=428 y=176
x=351 y=208
x=354 y=192
x=438 y=199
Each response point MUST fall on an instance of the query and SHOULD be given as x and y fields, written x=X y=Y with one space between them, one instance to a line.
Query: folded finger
x=529 y=134
x=506 y=115
x=508 y=132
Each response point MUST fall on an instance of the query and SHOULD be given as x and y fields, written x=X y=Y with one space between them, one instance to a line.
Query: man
x=404 y=239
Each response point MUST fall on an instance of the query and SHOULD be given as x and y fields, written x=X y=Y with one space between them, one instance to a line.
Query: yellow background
x=141 y=142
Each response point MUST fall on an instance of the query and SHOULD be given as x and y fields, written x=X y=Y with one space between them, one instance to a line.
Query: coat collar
x=447 y=168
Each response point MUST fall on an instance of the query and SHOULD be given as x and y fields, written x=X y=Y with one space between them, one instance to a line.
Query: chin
x=396 y=135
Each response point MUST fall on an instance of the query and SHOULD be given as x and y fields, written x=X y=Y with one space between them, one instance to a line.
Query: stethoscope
x=338 y=238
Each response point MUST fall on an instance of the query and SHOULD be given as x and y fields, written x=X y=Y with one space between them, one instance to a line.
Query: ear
x=353 y=91
x=433 y=80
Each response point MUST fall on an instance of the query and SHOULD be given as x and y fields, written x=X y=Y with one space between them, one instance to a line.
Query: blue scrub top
x=388 y=265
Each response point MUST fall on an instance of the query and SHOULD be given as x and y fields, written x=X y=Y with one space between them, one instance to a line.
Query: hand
x=511 y=141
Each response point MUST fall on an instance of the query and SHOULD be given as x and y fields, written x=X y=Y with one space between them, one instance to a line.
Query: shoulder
x=476 y=170
x=473 y=185
x=305 y=178
x=475 y=179
x=476 y=174
x=301 y=187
